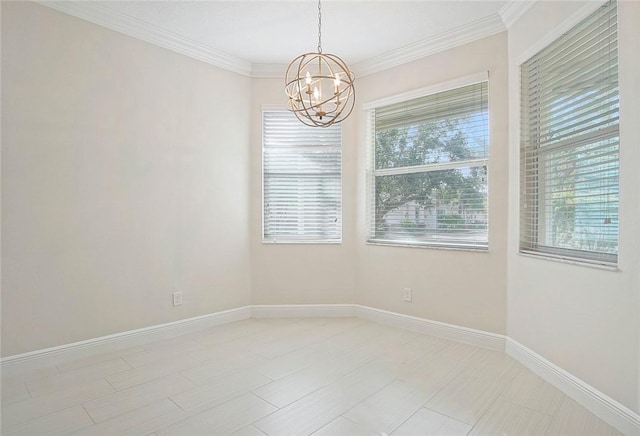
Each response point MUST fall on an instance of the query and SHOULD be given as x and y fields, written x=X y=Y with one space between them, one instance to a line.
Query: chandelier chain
x=319 y=27
x=319 y=86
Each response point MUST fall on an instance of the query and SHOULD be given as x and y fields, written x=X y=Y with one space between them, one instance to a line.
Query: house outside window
x=429 y=158
x=569 y=154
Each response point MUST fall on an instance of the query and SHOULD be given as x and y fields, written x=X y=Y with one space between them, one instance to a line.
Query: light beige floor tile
x=18 y=373
x=210 y=371
x=293 y=340
x=373 y=338
x=306 y=337
x=320 y=370
x=141 y=421
x=248 y=431
x=12 y=392
x=388 y=340
x=458 y=351
x=359 y=334
x=313 y=354
x=218 y=391
x=137 y=376
x=385 y=410
x=292 y=362
x=82 y=375
x=344 y=361
x=222 y=420
x=343 y=427
x=430 y=374
x=324 y=405
x=420 y=347
x=572 y=419
x=57 y=423
x=230 y=332
x=529 y=390
x=282 y=329
x=468 y=396
x=504 y=417
x=171 y=342
x=426 y=422
x=295 y=386
x=242 y=347
x=123 y=401
x=75 y=364
x=161 y=353
x=360 y=337
x=281 y=339
x=33 y=408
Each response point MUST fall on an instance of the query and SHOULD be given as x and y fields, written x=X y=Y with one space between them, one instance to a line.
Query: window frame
x=536 y=247
x=292 y=240
x=372 y=172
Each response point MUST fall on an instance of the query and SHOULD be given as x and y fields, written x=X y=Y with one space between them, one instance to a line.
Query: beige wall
x=583 y=319
x=300 y=273
x=123 y=179
x=460 y=287
x=125 y=173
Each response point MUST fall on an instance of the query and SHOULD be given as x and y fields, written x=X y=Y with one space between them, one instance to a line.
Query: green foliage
x=408 y=224
x=429 y=143
x=451 y=221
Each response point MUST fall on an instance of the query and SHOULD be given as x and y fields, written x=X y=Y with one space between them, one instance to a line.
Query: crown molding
x=440 y=42
x=106 y=17
x=103 y=16
x=513 y=9
x=443 y=41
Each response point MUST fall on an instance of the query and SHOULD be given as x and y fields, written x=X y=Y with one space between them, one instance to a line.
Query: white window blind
x=428 y=172
x=569 y=144
x=302 y=183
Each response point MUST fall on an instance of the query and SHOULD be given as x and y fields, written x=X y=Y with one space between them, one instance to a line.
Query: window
x=569 y=144
x=302 y=182
x=428 y=172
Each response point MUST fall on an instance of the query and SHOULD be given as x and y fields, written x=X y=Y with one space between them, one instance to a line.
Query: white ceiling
x=241 y=34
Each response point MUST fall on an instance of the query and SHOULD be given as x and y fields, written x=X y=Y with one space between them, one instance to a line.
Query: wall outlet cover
x=177 y=298
x=407 y=294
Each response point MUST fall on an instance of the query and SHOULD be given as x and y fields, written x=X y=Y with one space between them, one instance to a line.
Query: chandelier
x=319 y=86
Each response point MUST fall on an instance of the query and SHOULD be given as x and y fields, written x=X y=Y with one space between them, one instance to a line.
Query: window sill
x=294 y=242
x=430 y=246
x=569 y=261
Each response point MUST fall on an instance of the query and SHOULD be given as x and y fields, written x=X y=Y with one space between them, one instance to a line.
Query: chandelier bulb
x=331 y=72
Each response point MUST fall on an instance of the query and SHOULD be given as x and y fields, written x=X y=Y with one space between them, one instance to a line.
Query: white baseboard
x=606 y=408
x=126 y=339
x=601 y=405
x=302 y=311
x=479 y=338
x=130 y=338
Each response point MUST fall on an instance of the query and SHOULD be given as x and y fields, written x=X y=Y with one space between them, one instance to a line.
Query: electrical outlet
x=177 y=298
x=407 y=294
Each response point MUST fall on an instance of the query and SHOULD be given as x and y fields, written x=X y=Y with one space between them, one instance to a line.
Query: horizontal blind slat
x=569 y=145
x=428 y=170
x=301 y=180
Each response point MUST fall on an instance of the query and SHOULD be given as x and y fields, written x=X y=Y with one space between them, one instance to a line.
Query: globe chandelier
x=319 y=86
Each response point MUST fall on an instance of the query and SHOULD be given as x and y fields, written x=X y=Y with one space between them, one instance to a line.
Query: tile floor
x=326 y=377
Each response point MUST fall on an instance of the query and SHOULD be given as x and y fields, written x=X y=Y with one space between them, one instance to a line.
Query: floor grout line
x=349 y=349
